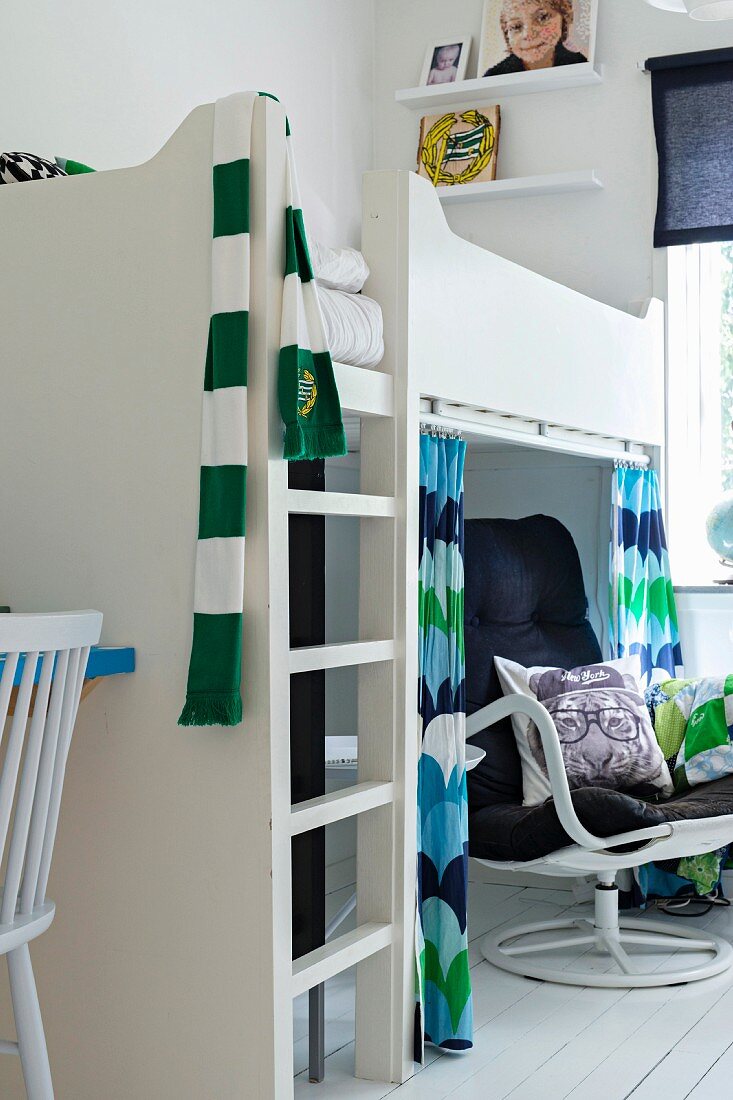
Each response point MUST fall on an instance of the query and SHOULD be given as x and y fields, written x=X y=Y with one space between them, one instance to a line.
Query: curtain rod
x=686 y=60
x=540 y=442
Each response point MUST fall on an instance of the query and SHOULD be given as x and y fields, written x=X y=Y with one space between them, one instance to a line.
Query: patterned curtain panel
x=444 y=1010
x=643 y=615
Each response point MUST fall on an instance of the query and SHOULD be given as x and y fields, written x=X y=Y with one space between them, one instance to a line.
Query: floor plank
x=546 y=1041
x=612 y=1055
x=685 y=1062
x=717 y=1081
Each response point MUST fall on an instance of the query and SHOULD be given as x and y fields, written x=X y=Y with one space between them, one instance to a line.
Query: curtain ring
x=440 y=431
x=628 y=464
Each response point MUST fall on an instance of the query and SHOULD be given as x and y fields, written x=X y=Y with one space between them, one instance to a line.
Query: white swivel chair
x=525 y=600
x=50 y=652
x=527 y=949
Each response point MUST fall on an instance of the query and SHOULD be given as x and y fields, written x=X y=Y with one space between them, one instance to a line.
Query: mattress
x=354 y=327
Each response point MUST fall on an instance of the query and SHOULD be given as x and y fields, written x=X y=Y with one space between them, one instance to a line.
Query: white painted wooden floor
x=538 y=1041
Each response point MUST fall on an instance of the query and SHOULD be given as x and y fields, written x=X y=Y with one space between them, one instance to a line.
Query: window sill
x=698 y=589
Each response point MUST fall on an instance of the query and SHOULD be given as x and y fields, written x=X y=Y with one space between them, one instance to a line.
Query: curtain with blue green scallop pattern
x=444 y=1013
x=643 y=617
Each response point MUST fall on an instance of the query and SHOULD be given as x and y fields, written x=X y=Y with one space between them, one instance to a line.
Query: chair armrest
x=522 y=704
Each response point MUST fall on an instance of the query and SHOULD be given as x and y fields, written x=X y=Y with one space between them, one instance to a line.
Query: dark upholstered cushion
x=524 y=600
x=515 y=832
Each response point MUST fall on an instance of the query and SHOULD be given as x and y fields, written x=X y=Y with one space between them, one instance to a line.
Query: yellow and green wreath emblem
x=436 y=145
x=307 y=393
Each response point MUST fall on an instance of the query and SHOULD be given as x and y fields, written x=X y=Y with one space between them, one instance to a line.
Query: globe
x=719 y=527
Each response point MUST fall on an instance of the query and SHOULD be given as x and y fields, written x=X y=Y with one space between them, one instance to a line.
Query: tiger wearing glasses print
x=604 y=729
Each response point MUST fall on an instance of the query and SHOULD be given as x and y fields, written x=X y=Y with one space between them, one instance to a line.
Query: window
x=699 y=402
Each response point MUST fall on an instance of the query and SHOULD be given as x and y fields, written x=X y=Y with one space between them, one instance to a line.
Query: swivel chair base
x=703 y=955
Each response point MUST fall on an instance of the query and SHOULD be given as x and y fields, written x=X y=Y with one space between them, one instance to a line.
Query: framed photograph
x=459 y=147
x=446 y=60
x=520 y=35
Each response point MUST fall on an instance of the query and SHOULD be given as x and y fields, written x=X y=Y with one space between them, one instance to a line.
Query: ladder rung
x=367 y=392
x=339 y=504
x=340 y=655
x=337 y=806
x=338 y=955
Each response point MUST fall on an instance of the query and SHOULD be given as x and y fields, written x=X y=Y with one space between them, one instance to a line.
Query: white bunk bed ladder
x=378 y=944
x=383 y=799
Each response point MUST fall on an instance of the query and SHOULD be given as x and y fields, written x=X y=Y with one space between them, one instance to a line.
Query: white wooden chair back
x=36 y=723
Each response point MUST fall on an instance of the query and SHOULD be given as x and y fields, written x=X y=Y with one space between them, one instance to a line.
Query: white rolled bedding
x=339 y=268
x=354 y=327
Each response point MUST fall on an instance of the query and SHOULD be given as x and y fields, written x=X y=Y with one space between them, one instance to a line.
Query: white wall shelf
x=553 y=183
x=489 y=89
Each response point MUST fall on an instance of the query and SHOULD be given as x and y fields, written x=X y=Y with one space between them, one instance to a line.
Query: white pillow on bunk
x=339 y=268
x=605 y=732
x=354 y=327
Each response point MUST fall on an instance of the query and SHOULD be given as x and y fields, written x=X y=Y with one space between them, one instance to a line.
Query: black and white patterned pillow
x=19 y=167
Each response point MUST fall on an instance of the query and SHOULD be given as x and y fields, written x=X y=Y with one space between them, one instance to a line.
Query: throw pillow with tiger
x=602 y=723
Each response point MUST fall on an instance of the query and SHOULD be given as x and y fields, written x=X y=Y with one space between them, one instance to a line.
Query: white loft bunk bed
x=196 y=825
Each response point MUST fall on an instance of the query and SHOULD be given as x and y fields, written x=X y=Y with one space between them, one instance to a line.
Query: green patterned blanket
x=693 y=723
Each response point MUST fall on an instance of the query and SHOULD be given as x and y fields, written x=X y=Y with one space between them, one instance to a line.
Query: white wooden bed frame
x=104 y=300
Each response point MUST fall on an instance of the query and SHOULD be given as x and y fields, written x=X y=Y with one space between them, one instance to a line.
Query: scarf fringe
x=313 y=442
x=211 y=709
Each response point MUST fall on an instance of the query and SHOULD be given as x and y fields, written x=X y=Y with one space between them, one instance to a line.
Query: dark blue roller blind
x=692 y=100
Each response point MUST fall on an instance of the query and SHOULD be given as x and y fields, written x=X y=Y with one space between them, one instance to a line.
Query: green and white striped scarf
x=307 y=395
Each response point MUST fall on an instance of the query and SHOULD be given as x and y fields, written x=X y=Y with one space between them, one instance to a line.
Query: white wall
x=342 y=625
x=108 y=83
x=706 y=630
x=342 y=598
x=599 y=243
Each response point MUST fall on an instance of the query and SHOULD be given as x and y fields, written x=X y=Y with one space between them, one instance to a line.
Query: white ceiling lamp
x=697 y=9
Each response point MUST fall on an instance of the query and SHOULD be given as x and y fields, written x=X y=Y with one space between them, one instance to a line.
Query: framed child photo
x=446 y=60
x=521 y=35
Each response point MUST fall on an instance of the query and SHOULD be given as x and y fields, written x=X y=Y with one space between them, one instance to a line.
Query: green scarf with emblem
x=307 y=395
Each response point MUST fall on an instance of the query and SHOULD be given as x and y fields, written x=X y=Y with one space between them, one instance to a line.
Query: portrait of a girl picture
x=521 y=35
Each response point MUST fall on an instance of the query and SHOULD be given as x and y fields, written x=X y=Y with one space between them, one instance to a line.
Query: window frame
x=693 y=415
